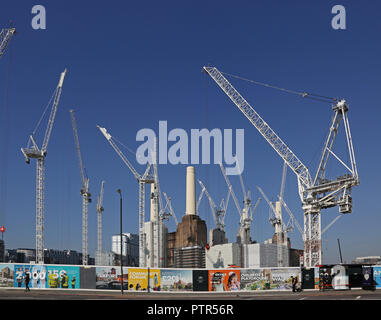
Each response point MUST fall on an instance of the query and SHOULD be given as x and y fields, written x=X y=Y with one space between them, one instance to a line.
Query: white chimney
x=190 y=192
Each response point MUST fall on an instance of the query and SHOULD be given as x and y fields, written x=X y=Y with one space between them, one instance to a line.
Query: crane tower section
x=5 y=37
x=33 y=151
x=316 y=194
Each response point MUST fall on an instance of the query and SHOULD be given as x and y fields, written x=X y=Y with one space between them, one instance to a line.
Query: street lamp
x=121 y=241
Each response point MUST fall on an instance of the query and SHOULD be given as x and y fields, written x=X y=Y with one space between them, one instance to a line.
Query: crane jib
x=280 y=147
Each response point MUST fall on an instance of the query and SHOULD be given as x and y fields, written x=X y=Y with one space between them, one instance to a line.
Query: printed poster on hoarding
x=334 y=277
x=269 y=279
x=64 y=277
x=200 y=280
x=281 y=279
x=317 y=279
x=37 y=275
x=110 y=278
x=224 y=280
x=254 y=279
x=176 y=280
x=377 y=276
x=6 y=275
x=137 y=279
x=340 y=278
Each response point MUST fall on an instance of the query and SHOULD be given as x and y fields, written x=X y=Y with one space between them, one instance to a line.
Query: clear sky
x=132 y=63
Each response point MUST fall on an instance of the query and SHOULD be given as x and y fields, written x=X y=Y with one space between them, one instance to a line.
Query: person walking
x=27 y=279
x=293 y=282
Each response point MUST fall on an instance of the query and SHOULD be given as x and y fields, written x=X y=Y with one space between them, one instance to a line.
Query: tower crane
x=171 y=211
x=145 y=178
x=5 y=36
x=33 y=151
x=246 y=214
x=315 y=194
x=199 y=199
x=276 y=219
x=100 y=210
x=217 y=212
x=86 y=195
x=158 y=225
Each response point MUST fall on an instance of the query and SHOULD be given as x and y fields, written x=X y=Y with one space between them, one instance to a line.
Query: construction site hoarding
x=176 y=280
x=377 y=276
x=334 y=277
x=308 y=278
x=200 y=280
x=7 y=275
x=138 y=279
x=37 y=273
x=224 y=280
x=109 y=278
x=63 y=277
x=269 y=279
x=368 y=282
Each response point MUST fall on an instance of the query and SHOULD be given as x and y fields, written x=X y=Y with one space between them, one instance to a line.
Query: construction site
x=194 y=244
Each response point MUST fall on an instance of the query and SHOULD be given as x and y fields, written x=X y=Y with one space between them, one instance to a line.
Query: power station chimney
x=190 y=192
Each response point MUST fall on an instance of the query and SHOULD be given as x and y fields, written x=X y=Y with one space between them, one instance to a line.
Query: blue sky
x=131 y=64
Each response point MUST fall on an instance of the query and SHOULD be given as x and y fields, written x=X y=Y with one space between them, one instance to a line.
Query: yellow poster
x=137 y=279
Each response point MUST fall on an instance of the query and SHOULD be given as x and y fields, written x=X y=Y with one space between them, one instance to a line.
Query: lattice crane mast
x=143 y=179
x=245 y=213
x=158 y=225
x=86 y=195
x=5 y=36
x=218 y=212
x=100 y=209
x=33 y=151
x=171 y=211
x=315 y=194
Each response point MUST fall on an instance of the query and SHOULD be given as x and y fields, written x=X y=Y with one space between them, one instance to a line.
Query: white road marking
x=358 y=297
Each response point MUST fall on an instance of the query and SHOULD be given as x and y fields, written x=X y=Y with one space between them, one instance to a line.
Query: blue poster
x=64 y=277
x=37 y=274
x=377 y=276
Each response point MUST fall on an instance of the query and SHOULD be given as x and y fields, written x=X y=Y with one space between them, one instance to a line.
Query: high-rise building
x=130 y=248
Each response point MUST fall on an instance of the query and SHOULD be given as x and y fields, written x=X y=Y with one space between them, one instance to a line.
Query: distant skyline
x=131 y=65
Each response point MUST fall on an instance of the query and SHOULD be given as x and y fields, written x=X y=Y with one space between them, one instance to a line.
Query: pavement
x=67 y=294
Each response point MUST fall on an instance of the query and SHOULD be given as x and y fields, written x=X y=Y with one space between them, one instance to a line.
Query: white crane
x=143 y=179
x=86 y=195
x=315 y=194
x=171 y=211
x=276 y=219
x=33 y=151
x=5 y=36
x=100 y=210
x=246 y=213
x=218 y=212
x=158 y=225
